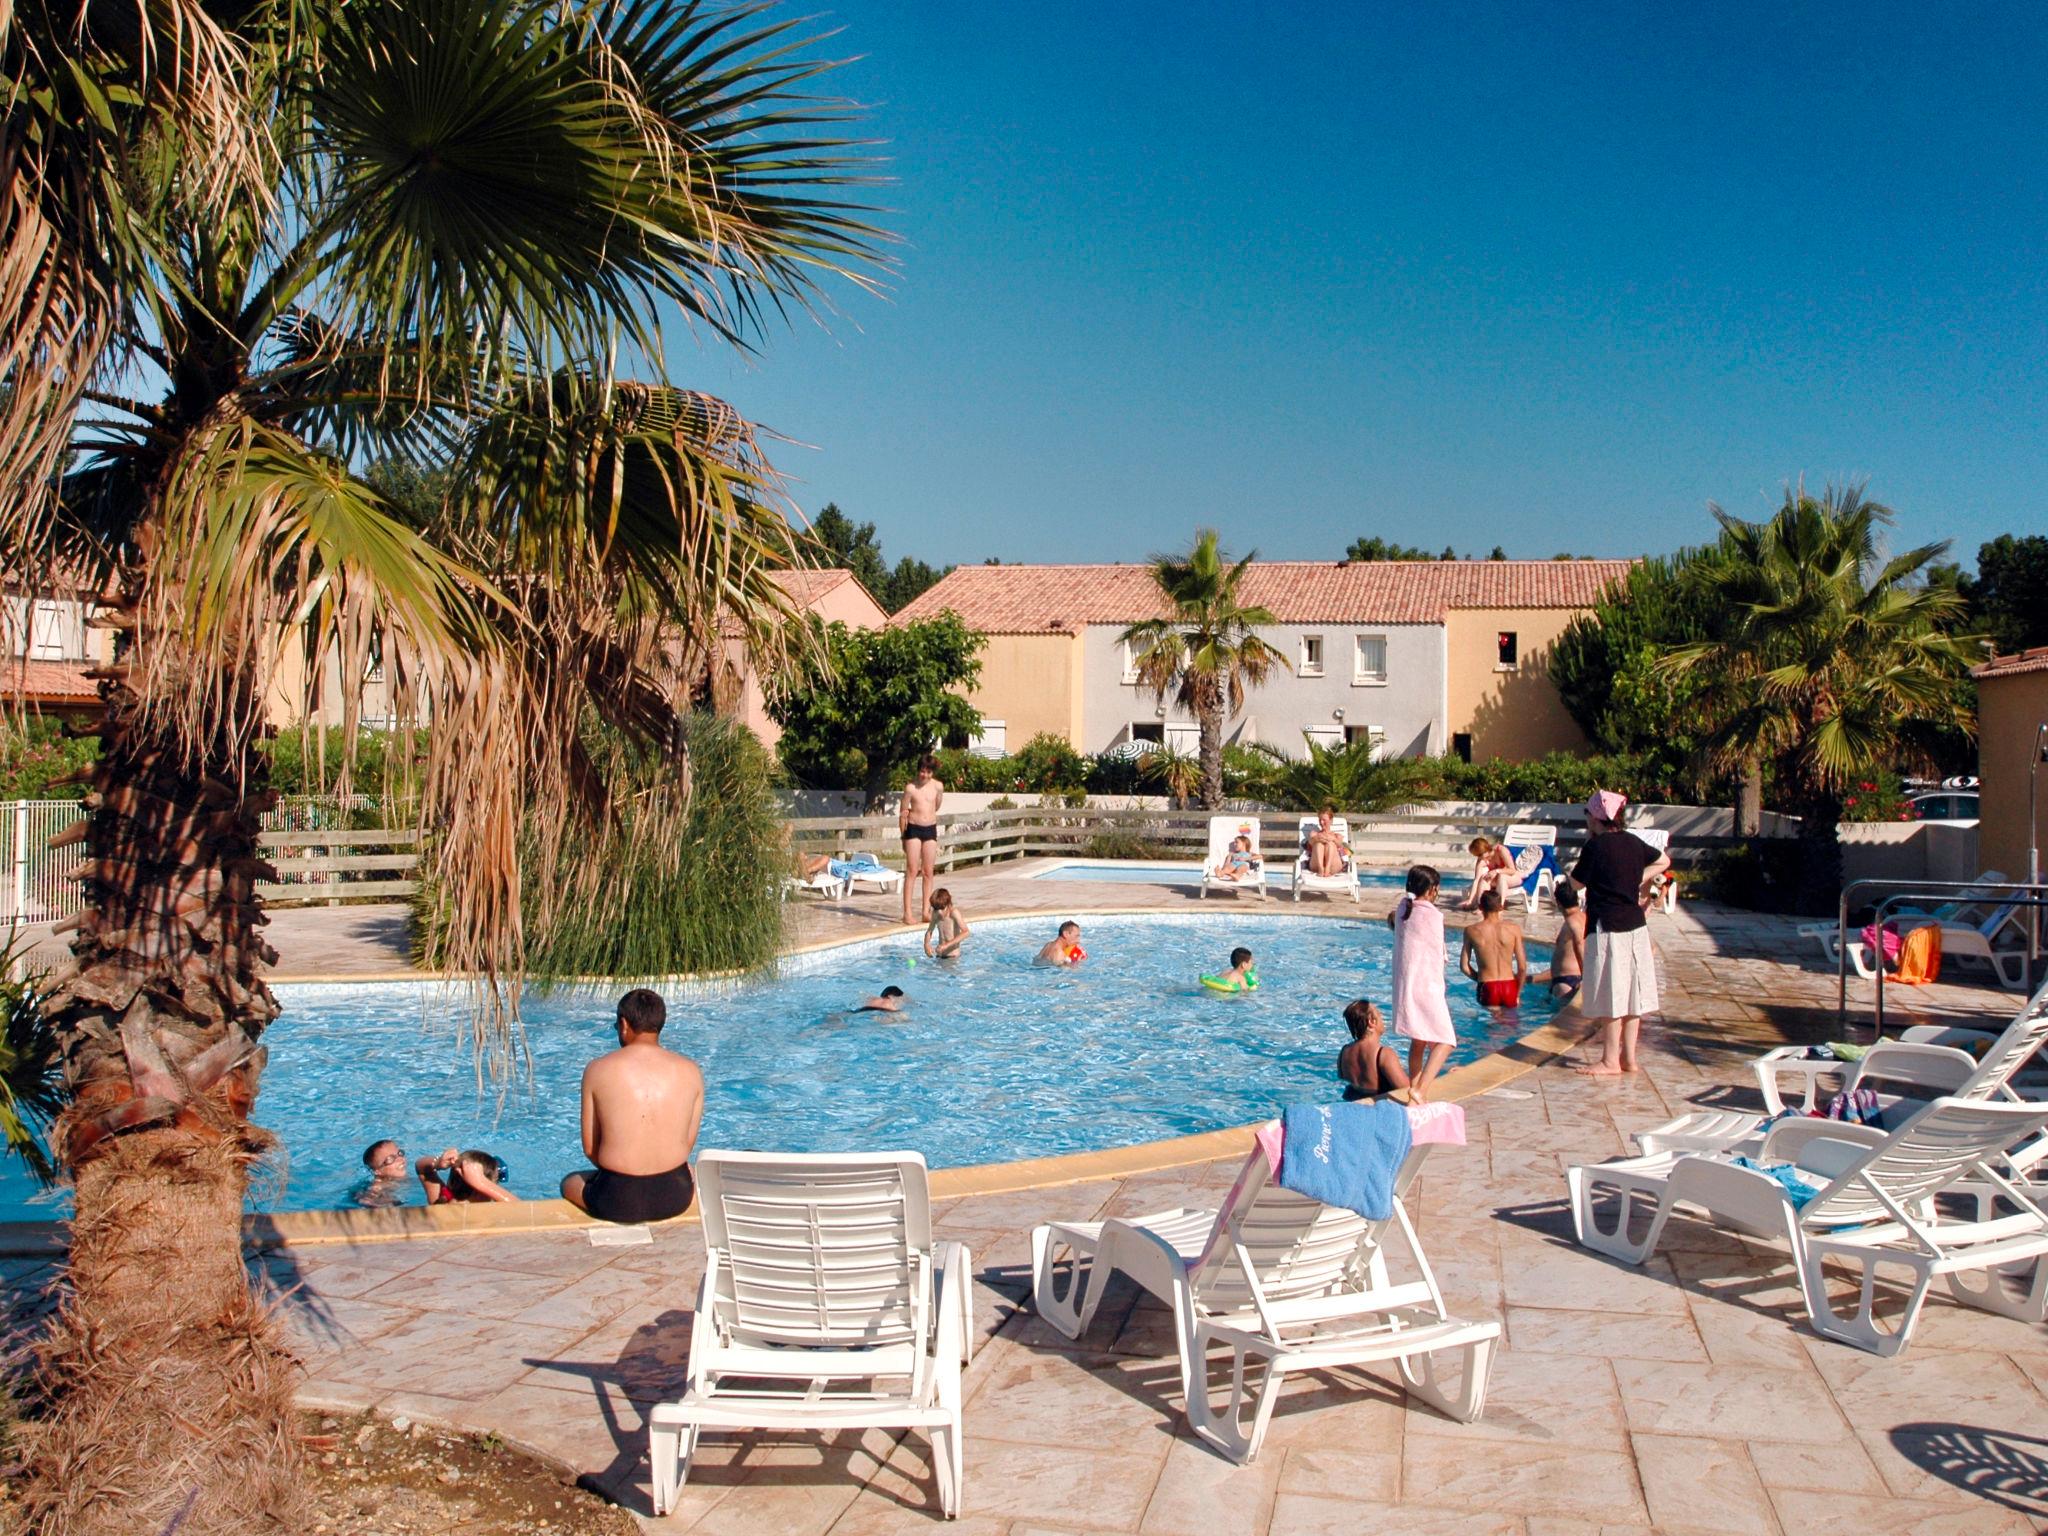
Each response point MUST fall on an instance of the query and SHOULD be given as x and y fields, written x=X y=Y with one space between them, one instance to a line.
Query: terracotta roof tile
x=50 y=681
x=2035 y=660
x=805 y=589
x=1047 y=599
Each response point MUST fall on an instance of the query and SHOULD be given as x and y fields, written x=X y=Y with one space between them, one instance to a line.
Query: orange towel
x=1919 y=957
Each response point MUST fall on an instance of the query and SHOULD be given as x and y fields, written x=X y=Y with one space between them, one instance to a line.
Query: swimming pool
x=996 y=1060
x=1137 y=872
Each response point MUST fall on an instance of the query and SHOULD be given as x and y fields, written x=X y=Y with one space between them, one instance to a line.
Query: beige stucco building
x=2012 y=707
x=835 y=596
x=1419 y=656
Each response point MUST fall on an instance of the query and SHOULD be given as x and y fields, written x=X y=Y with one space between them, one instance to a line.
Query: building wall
x=848 y=604
x=2009 y=711
x=1032 y=684
x=1407 y=707
x=287 y=693
x=1513 y=714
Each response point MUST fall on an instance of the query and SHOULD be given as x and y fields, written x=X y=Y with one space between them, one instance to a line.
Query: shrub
x=1049 y=764
x=1758 y=876
x=305 y=760
x=1112 y=773
x=1876 y=797
x=1002 y=803
x=1124 y=843
x=35 y=753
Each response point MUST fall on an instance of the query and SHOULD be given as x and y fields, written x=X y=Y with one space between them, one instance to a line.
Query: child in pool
x=471 y=1175
x=1369 y=1067
x=947 y=930
x=1243 y=976
x=1421 y=1010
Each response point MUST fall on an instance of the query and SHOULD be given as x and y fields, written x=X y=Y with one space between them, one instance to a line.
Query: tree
x=2009 y=598
x=1377 y=548
x=855 y=546
x=1205 y=651
x=1353 y=777
x=268 y=245
x=1827 y=656
x=1498 y=553
x=887 y=697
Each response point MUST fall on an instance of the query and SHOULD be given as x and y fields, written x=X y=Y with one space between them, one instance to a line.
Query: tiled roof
x=2035 y=660
x=48 y=681
x=805 y=589
x=1048 y=599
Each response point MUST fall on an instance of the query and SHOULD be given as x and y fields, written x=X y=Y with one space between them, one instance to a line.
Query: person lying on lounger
x=1240 y=863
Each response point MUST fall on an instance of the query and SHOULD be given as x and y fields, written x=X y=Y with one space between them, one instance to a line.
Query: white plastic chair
x=1979 y=941
x=874 y=877
x=1919 y=1063
x=1305 y=879
x=1223 y=831
x=1276 y=1278
x=1535 y=849
x=1876 y=1209
x=821 y=1269
x=823 y=883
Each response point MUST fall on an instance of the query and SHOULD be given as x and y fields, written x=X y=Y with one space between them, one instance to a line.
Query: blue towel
x=1345 y=1154
x=1797 y=1190
x=842 y=868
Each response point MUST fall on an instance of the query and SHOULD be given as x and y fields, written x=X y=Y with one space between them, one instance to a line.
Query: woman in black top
x=1614 y=871
x=1371 y=1068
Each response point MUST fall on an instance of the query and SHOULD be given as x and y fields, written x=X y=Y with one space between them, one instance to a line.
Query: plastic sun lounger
x=1875 y=1210
x=1921 y=1063
x=1306 y=880
x=821 y=1269
x=1979 y=941
x=877 y=876
x=1276 y=1278
x=1535 y=851
x=823 y=883
x=1223 y=830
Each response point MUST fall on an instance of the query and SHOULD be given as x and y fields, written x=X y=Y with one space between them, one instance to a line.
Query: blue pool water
x=1129 y=873
x=996 y=1059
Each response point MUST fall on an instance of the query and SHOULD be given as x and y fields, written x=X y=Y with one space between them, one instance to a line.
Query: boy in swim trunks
x=1568 y=949
x=947 y=930
x=1242 y=976
x=1494 y=955
x=642 y=1106
x=1065 y=948
x=918 y=821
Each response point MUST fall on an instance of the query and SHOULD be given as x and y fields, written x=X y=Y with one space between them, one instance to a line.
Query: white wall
x=1407 y=707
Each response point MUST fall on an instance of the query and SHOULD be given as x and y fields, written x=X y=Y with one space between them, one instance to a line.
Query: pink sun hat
x=1605 y=804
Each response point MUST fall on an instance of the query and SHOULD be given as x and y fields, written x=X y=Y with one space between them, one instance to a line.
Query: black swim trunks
x=631 y=1197
x=921 y=832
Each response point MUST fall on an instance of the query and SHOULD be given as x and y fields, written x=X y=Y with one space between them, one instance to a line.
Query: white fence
x=39 y=889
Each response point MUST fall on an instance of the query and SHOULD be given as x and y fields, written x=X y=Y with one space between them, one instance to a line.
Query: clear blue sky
x=1549 y=276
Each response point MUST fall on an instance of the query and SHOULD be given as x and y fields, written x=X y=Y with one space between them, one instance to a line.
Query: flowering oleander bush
x=1876 y=797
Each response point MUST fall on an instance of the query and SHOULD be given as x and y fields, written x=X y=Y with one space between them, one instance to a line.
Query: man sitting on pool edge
x=642 y=1107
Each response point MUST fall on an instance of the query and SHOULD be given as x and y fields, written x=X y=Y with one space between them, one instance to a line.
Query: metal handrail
x=2014 y=893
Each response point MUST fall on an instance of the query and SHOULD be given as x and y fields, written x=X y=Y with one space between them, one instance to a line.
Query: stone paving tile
x=1840 y=1514
x=1703 y=1485
x=1301 y=1514
x=1728 y=1402
x=1200 y=1493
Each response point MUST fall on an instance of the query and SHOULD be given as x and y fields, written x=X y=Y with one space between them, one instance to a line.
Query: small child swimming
x=888 y=1000
x=1243 y=976
x=947 y=930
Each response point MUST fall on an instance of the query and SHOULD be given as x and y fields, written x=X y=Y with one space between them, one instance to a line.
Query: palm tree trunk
x=1749 y=800
x=1820 y=855
x=1211 y=721
x=165 y=1392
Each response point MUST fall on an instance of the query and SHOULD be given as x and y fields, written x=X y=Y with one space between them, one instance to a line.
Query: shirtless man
x=642 y=1106
x=918 y=821
x=1494 y=956
x=1065 y=948
x=1567 y=971
x=1327 y=854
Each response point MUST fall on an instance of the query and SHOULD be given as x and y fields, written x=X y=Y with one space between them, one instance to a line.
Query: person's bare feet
x=1601 y=1069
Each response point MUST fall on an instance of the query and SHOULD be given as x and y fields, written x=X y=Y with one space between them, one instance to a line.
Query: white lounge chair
x=1277 y=1278
x=1535 y=851
x=1979 y=941
x=1876 y=1209
x=1666 y=894
x=875 y=876
x=1970 y=905
x=1223 y=831
x=1305 y=879
x=1920 y=1063
x=821 y=1269
x=823 y=883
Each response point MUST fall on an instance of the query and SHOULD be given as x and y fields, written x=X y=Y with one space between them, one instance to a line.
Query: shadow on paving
x=2000 y=1465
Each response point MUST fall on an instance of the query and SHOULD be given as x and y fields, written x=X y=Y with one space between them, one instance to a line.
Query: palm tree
x=249 y=250
x=1352 y=777
x=1178 y=773
x=1205 y=651
x=1830 y=656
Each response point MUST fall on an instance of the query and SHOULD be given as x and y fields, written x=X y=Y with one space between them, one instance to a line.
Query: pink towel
x=1428 y=1124
x=1421 y=1011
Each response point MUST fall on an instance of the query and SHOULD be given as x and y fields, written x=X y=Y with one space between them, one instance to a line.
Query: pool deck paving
x=1686 y=1396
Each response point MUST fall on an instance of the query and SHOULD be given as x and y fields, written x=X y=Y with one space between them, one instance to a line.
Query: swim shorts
x=1565 y=986
x=1500 y=994
x=921 y=832
x=630 y=1197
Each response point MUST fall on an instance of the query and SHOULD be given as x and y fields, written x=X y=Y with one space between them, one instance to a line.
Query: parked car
x=1956 y=806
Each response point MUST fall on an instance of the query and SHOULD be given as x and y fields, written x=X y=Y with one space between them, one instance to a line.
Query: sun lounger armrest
x=1790 y=1141
x=953 y=1340
x=1941 y=1067
x=1791 y=1061
x=1958 y=1035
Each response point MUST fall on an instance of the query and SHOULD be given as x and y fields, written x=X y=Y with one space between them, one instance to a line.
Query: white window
x=1326 y=736
x=49 y=628
x=1183 y=738
x=990 y=742
x=1375 y=734
x=1311 y=656
x=1150 y=732
x=1130 y=662
x=1369 y=660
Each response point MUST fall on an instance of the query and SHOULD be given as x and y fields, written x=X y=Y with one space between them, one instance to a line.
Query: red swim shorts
x=1500 y=994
